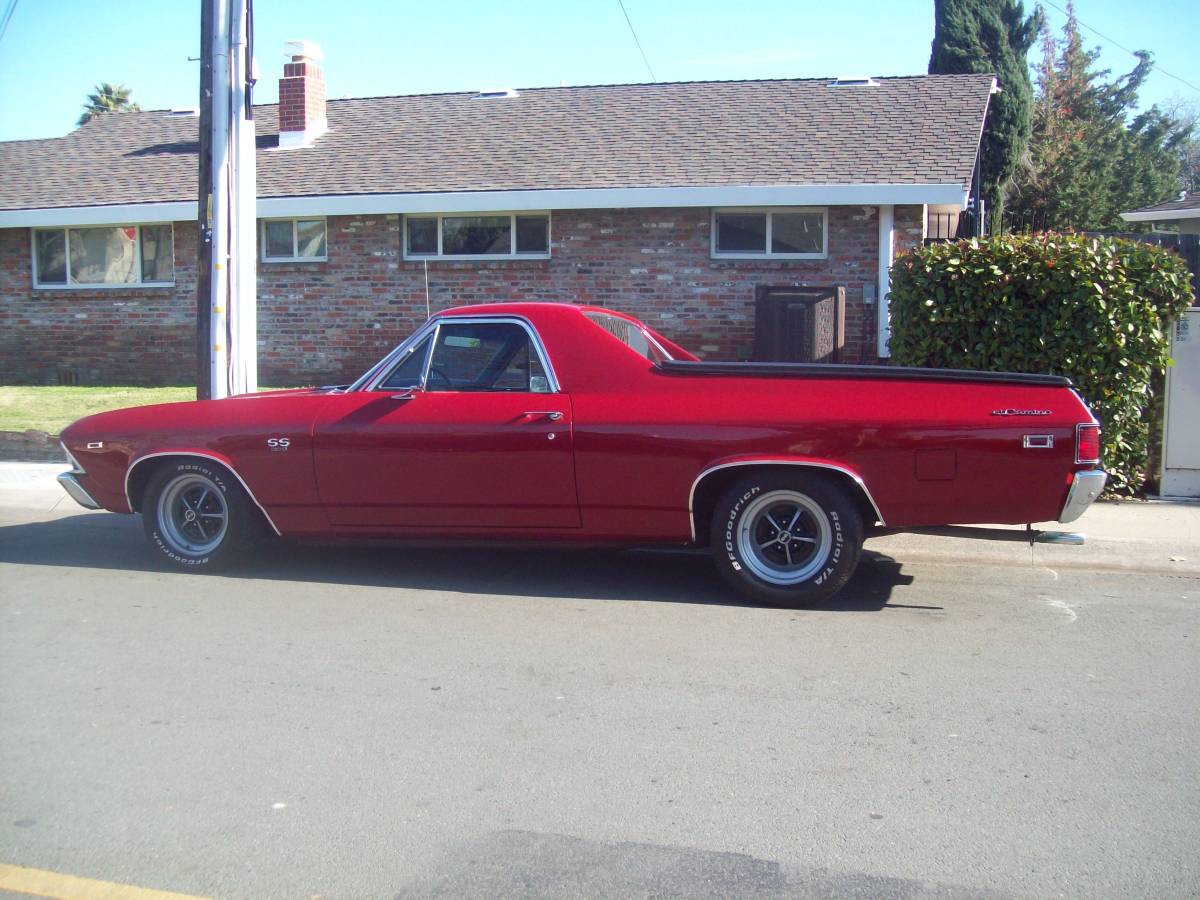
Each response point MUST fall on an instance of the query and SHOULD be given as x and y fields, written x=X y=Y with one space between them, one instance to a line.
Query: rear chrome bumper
x=75 y=489
x=1085 y=487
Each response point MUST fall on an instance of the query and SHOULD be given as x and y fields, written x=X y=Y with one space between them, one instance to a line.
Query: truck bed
x=836 y=370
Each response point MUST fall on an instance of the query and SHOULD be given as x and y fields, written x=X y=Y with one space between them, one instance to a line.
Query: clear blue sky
x=55 y=50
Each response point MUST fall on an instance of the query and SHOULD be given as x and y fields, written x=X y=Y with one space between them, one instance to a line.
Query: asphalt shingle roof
x=1187 y=201
x=909 y=130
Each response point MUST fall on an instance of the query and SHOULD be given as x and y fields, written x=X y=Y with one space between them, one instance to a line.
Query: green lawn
x=51 y=409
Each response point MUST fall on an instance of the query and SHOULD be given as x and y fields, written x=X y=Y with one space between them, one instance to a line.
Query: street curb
x=30 y=446
x=1158 y=537
x=1095 y=556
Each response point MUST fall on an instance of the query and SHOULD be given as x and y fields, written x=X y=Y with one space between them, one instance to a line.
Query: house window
x=104 y=256
x=490 y=236
x=780 y=233
x=293 y=240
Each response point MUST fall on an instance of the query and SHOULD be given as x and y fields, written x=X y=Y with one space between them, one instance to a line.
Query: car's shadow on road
x=115 y=542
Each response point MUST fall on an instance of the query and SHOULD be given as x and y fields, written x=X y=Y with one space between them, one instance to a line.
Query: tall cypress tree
x=991 y=36
x=1092 y=154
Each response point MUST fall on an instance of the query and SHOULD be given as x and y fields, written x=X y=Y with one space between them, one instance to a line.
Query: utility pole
x=204 y=258
x=226 y=286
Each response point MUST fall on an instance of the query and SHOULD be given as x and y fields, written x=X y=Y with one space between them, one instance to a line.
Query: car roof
x=527 y=310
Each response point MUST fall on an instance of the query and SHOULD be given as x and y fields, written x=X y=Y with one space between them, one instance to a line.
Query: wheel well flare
x=142 y=468
x=713 y=481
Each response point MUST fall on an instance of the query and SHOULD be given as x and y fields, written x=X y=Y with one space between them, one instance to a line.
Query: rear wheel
x=196 y=516
x=786 y=540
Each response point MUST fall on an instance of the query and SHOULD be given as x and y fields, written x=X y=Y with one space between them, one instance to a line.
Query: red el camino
x=547 y=423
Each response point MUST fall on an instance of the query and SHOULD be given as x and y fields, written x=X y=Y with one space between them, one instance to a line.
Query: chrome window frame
x=379 y=373
x=403 y=357
x=591 y=316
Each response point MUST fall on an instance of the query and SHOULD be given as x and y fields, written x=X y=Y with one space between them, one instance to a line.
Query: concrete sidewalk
x=1155 y=536
x=33 y=485
x=1152 y=536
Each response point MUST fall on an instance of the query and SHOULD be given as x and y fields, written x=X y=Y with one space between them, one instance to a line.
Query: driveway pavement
x=965 y=720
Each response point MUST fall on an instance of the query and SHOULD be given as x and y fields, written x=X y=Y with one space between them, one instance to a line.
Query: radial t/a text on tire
x=786 y=539
x=196 y=515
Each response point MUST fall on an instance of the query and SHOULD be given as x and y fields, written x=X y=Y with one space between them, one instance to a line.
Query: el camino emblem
x=279 y=444
x=1020 y=412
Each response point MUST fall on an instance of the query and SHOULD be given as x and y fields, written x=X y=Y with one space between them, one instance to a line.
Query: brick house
x=678 y=203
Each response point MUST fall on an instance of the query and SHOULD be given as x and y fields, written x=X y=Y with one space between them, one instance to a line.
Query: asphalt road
x=410 y=723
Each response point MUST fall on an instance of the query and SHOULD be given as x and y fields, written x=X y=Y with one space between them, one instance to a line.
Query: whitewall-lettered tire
x=197 y=516
x=786 y=538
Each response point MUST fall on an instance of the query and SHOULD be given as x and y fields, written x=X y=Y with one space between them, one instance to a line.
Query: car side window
x=485 y=356
x=408 y=372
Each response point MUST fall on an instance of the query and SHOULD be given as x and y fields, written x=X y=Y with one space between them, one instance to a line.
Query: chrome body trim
x=249 y=493
x=1038 y=442
x=379 y=372
x=72 y=486
x=1084 y=404
x=374 y=374
x=76 y=468
x=778 y=462
x=1085 y=487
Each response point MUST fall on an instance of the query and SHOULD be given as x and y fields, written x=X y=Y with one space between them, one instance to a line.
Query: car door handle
x=553 y=416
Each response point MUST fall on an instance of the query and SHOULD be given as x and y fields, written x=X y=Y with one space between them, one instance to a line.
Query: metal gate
x=1181 y=425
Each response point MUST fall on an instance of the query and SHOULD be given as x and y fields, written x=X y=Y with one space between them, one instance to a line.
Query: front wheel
x=786 y=540
x=196 y=516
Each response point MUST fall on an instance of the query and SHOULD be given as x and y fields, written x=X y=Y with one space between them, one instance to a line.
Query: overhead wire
x=633 y=31
x=8 y=14
x=1105 y=37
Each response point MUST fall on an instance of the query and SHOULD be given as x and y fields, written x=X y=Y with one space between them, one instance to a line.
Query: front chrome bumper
x=1085 y=487
x=72 y=486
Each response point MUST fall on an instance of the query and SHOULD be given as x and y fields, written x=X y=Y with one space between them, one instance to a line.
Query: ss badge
x=278 y=444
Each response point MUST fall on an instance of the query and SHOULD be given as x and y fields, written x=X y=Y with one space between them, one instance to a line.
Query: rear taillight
x=1087 y=444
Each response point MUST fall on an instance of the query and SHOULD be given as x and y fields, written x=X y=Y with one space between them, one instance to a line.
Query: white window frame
x=479 y=257
x=769 y=211
x=262 y=235
x=96 y=286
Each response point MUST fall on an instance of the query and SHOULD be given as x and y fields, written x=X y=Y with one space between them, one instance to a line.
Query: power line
x=636 y=41
x=1103 y=36
x=8 y=14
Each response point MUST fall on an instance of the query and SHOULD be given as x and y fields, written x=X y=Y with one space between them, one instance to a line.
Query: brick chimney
x=301 y=96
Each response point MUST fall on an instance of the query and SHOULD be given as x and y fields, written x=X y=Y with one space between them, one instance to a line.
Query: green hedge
x=1093 y=309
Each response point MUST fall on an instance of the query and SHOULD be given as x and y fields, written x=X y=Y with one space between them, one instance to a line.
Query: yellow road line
x=41 y=883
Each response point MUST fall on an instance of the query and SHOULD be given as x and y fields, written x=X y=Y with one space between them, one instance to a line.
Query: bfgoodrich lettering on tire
x=786 y=539
x=196 y=515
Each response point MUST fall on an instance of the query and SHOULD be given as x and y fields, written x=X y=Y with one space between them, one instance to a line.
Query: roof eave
x=483 y=201
x=1161 y=215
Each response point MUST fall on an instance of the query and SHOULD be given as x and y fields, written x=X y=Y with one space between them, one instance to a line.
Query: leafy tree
x=1187 y=114
x=107 y=98
x=991 y=36
x=1091 y=156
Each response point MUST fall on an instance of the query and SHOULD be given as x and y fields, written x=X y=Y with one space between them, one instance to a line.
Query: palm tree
x=108 y=98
